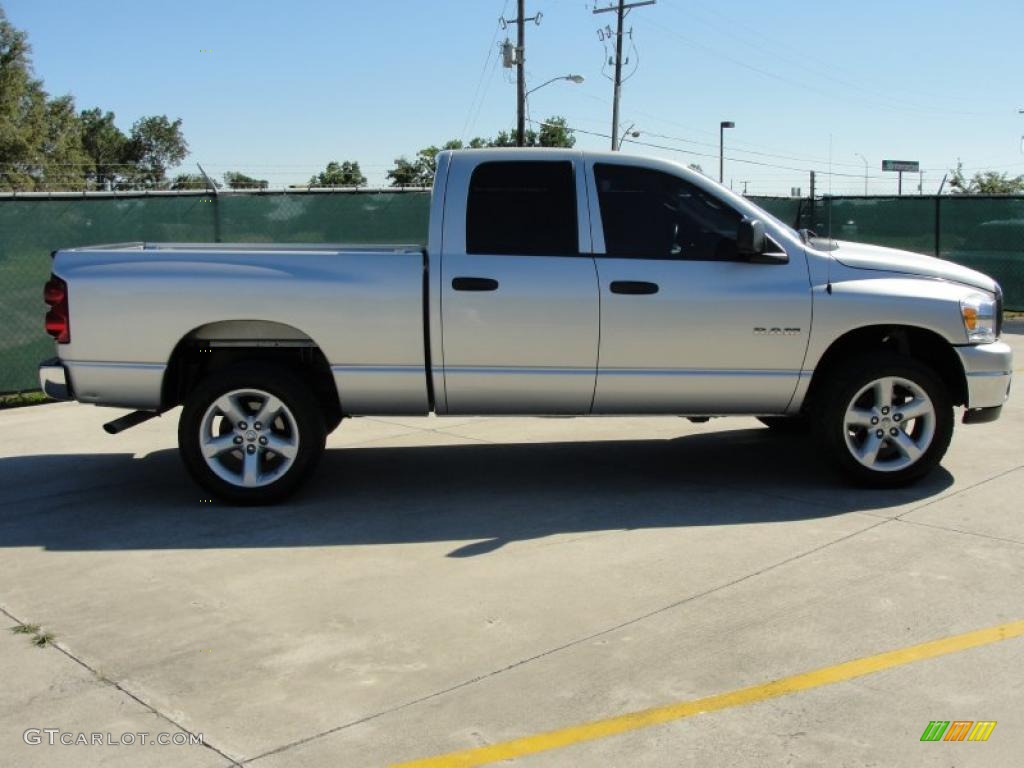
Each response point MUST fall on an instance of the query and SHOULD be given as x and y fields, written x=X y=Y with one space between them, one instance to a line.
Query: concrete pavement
x=446 y=584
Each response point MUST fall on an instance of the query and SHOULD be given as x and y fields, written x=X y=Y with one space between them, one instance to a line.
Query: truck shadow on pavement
x=485 y=495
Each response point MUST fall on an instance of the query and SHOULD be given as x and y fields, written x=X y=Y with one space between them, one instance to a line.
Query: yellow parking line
x=599 y=729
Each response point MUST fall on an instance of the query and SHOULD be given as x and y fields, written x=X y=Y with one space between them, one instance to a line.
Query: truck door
x=688 y=325
x=519 y=295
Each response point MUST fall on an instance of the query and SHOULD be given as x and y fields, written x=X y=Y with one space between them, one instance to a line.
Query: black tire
x=298 y=427
x=786 y=425
x=829 y=420
x=331 y=422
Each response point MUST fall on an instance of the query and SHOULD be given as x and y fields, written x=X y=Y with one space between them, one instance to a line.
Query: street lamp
x=629 y=133
x=865 y=172
x=571 y=78
x=721 y=148
x=525 y=101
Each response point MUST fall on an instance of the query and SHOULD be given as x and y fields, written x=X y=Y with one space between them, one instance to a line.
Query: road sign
x=902 y=166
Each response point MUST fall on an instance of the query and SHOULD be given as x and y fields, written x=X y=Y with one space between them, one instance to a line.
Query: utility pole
x=520 y=75
x=621 y=10
x=520 y=60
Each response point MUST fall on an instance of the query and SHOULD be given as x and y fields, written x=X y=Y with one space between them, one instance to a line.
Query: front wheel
x=251 y=434
x=886 y=420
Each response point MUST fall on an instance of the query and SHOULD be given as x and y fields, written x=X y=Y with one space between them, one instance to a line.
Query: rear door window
x=522 y=208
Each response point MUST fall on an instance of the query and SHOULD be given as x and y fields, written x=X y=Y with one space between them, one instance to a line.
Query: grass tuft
x=19 y=399
x=43 y=639
x=25 y=629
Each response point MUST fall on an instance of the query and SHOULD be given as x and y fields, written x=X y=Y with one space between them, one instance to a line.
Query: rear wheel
x=886 y=420
x=251 y=434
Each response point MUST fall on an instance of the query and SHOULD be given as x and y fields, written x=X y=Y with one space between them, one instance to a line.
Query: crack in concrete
x=671 y=606
x=565 y=646
x=134 y=697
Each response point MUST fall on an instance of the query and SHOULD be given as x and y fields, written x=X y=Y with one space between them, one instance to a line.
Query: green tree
x=191 y=181
x=40 y=139
x=154 y=144
x=985 y=183
x=404 y=174
x=46 y=143
x=105 y=144
x=426 y=161
x=420 y=172
x=238 y=180
x=344 y=174
x=508 y=139
x=555 y=132
x=63 y=160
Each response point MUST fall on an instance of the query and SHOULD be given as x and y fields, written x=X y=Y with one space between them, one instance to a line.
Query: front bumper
x=989 y=369
x=53 y=380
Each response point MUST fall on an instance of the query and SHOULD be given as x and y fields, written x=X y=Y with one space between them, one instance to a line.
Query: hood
x=863 y=256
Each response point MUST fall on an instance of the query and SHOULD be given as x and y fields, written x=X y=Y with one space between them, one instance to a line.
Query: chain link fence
x=985 y=233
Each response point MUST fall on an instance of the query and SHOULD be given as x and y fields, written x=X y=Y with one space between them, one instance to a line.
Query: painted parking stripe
x=599 y=729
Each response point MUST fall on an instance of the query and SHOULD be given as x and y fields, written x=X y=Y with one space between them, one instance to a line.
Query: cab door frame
x=694 y=346
x=523 y=339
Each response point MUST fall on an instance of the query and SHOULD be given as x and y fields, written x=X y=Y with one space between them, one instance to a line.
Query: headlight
x=979 y=315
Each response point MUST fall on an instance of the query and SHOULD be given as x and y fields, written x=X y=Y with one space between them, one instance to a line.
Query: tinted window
x=654 y=215
x=522 y=209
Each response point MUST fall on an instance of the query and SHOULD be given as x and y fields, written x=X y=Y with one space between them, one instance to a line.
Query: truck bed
x=133 y=304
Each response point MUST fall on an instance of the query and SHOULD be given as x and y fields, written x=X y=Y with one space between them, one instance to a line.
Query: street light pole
x=626 y=134
x=865 y=172
x=721 y=148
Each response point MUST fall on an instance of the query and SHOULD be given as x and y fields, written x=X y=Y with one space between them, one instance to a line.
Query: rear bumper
x=989 y=370
x=53 y=380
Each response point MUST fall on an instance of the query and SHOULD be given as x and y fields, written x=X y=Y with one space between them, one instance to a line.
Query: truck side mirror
x=750 y=238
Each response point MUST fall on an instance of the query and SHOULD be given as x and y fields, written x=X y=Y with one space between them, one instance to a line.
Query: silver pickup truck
x=554 y=282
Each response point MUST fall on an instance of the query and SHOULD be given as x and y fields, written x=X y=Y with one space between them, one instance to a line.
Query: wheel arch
x=214 y=346
x=921 y=344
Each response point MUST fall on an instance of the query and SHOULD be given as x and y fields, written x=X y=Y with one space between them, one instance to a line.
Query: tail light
x=58 y=322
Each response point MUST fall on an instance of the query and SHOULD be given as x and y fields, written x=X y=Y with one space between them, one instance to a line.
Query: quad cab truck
x=554 y=282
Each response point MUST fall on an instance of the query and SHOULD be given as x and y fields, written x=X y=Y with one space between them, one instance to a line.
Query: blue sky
x=288 y=86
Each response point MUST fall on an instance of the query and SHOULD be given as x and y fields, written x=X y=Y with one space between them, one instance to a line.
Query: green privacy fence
x=986 y=233
x=33 y=226
x=981 y=232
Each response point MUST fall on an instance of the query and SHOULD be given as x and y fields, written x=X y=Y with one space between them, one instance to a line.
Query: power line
x=621 y=10
x=483 y=74
x=754 y=36
x=807 y=86
x=715 y=156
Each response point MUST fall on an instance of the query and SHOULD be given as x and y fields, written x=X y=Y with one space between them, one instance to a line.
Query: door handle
x=633 y=287
x=474 y=284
